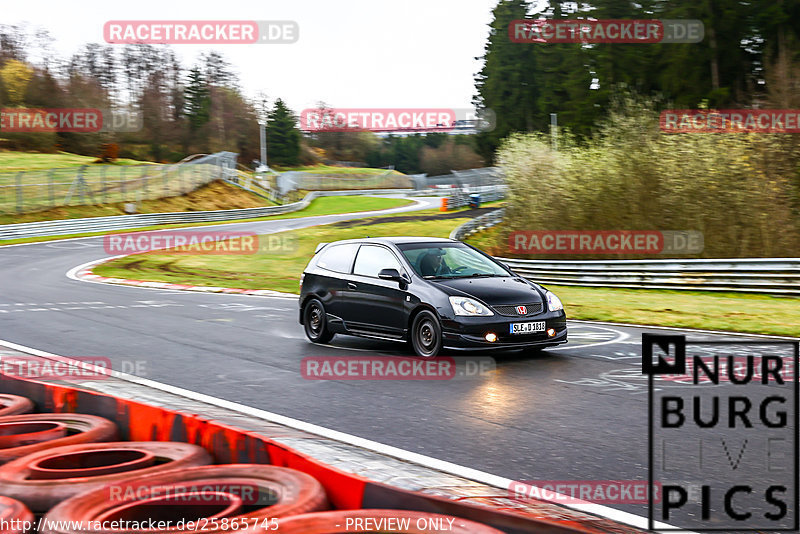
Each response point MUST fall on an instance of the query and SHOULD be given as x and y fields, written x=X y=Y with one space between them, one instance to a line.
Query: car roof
x=398 y=240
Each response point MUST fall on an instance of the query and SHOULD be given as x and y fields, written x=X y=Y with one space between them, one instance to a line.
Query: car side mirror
x=390 y=274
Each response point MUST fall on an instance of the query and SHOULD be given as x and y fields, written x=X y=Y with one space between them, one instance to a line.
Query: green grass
x=24 y=161
x=319 y=206
x=736 y=312
x=278 y=269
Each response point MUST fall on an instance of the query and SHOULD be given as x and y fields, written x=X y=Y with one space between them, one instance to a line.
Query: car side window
x=372 y=259
x=338 y=258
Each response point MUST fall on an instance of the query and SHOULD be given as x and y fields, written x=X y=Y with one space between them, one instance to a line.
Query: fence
x=261 y=184
x=471 y=178
x=488 y=193
x=298 y=180
x=103 y=183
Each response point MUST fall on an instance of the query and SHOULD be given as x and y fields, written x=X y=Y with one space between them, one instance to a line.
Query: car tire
x=19 y=480
x=14 y=405
x=275 y=492
x=80 y=428
x=315 y=323
x=426 y=335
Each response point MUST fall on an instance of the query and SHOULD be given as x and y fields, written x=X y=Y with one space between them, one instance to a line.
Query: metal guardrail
x=127 y=222
x=477 y=224
x=773 y=276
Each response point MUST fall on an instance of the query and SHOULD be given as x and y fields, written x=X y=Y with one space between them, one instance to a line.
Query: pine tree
x=283 y=137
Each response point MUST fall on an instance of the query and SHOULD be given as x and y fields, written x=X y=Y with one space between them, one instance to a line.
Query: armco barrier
x=233 y=437
x=127 y=222
x=773 y=276
x=477 y=224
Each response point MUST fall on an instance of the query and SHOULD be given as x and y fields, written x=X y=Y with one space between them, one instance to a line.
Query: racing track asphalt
x=577 y=412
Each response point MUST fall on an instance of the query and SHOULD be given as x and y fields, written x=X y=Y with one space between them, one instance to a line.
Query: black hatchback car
x=430 y=292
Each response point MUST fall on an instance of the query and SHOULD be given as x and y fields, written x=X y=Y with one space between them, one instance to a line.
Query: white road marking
x=682 y=329
x=621 y=336
x=92 y=305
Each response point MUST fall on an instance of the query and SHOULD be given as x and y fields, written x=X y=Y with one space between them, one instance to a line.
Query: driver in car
x=433 y=264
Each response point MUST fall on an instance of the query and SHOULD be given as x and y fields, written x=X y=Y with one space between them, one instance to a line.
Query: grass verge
x=276 y=269
x=736 y=312
x=30 y=161
x=218 y=195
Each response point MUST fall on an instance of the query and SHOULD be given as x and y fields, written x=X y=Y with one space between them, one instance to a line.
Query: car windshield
x=449 y=260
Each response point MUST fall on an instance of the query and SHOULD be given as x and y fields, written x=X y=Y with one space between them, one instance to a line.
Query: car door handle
x=351 y=285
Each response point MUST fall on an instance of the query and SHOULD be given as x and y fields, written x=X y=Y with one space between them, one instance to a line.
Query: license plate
x=527 y=328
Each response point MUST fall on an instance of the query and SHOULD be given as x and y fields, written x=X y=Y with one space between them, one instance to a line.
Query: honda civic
x=431 y=293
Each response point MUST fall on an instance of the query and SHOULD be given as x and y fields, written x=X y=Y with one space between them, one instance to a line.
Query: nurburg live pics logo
x=724 y=446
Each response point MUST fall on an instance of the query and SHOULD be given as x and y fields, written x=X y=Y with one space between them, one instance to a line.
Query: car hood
x=492 y=291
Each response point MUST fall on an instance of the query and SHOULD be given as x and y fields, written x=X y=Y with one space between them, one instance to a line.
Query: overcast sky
x=351 y=53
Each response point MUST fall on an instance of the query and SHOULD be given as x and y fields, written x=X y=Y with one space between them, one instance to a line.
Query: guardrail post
x=79 y=181
x=104 y=183
x=19 y=191
x=122 y=182
x=182 y=179
x=165 y=191
x=50 y=187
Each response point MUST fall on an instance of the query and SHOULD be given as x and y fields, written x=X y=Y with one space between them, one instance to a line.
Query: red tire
x=242 y=495
x=45 y=478
x=80 y=428
x=14 y=405
x=15 y=517
x=399 y=521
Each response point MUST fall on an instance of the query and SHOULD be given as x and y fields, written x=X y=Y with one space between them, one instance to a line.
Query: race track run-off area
x=576 y=412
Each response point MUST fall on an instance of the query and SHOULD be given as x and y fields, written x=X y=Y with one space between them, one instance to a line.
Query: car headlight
x=468 y=306
x=553 y=302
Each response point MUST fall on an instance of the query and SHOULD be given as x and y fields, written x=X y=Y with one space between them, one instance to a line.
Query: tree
x=508 y=82
x=16 y=75
x=283 y=137
x=197 y=110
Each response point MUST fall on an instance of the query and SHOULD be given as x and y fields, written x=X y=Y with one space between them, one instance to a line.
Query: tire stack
x=67 y=474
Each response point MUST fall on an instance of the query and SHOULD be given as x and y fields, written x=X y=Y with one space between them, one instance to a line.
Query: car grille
x=511 y=311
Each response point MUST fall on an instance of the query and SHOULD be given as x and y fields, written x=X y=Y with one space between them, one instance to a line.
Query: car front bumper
x=470 y=332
